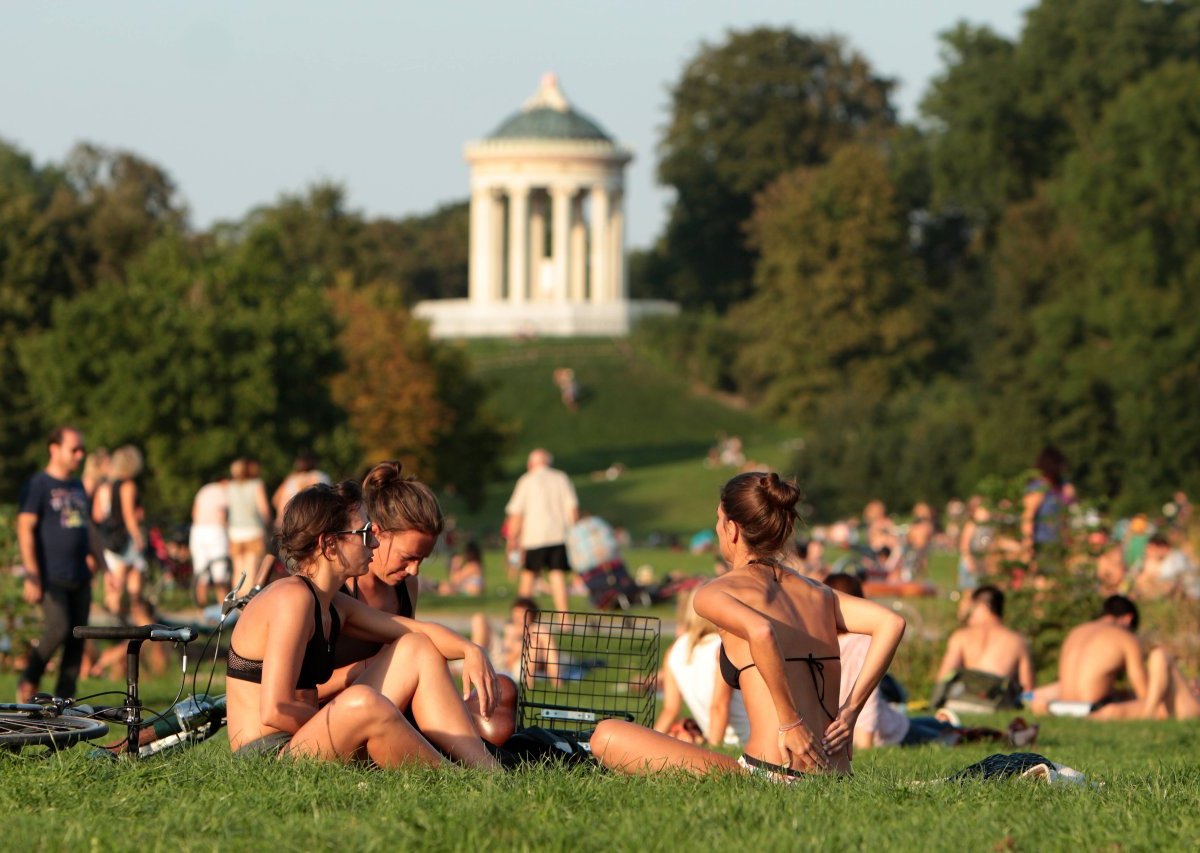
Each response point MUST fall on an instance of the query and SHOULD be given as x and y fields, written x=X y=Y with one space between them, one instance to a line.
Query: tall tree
x=744 y=112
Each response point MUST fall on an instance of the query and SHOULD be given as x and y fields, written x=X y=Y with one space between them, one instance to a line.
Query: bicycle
x=59 y=723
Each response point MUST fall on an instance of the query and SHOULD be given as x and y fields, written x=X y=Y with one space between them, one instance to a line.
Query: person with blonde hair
x=779 y=647
x=691 y=676
x=121 y=528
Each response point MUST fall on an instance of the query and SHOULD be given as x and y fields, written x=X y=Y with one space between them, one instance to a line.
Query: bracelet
x=791 y=726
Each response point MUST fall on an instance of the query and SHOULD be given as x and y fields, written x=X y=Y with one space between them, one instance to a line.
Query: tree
x=197 y=358
x=407 y=397
x=744 y=112
x=835 y=309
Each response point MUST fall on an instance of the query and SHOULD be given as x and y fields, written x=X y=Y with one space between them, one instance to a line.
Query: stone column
x=601 y=285
x=561 y=213
x=479 y=285
x=578 y=263
x=537 y=245
x=496 y=263
x=617 y=240
x=518 y=244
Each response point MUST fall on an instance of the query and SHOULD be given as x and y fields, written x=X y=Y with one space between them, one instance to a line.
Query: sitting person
x=506 y=644
x=466 y=573
x=690 y=674
x=407 y=521
x=1166 y=572
x=988 y=651
x=1095 y=654
x=880 y=724
x=283 y=644
x=778 y=646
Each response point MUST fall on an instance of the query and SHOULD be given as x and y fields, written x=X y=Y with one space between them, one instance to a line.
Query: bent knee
x=364 y=701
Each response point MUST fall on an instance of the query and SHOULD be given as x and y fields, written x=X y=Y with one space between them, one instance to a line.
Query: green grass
x=206 y=800
x=632 y=414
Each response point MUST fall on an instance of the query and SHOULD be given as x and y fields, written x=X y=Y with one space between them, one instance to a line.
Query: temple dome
x=548 y=115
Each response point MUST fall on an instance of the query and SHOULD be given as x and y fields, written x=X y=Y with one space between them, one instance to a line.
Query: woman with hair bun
x=407 y=520
x=282 y=648
x=779 y=646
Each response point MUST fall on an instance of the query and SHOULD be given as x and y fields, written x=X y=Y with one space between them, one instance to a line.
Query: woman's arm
x=718 y=711
x=264 y=505
x=964 y=546
x=859 y=616
x=367 y=623
x=1031 y=502
x=288 y=629
x=953 y=659
x=672 y=701
x=342 y=678
x=799 y=749
x=129 y=513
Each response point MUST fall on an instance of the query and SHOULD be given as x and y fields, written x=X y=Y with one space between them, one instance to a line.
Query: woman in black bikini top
x=407 y=521
x=282 y=647
x=776 y=619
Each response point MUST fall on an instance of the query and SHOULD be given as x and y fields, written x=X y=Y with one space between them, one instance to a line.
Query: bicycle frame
x=136 y=635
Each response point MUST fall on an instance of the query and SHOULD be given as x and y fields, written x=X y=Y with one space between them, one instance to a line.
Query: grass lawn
x=206 y=800
x=631 y=413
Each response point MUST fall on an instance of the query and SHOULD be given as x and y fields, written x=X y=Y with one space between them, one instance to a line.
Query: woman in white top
x=249 y=512
x=690 y=676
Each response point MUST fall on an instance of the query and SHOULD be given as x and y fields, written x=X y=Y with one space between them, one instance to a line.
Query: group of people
x=332 y=662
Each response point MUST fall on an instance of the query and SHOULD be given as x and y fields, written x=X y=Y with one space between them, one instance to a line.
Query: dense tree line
x=286 y=331
x=929 y=304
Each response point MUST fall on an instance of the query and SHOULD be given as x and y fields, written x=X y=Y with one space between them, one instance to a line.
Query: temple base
x=461 y=318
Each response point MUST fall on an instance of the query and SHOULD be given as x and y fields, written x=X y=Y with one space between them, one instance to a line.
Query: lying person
x=407 y=521
x=779 y=647
x=1095 y=654
x=282 y=648
x=987 y=652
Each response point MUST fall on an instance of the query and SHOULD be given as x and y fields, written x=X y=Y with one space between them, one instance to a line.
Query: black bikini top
x=816 y=666
x=317 y=666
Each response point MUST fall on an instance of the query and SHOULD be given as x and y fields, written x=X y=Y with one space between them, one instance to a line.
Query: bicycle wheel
x=18 y=730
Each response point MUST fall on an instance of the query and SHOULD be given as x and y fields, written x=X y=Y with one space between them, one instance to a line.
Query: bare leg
x=1042 y=697
x=525 y=584
x=363 y=719
x=411 y=672
x=499 y=727
x=133 y=583
x=639 y=751
x=114 y=588
x=1168 y=694
x=558 y=590
x=481 y=631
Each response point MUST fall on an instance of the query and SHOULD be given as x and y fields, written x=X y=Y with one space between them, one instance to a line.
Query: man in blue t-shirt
x=55 y=533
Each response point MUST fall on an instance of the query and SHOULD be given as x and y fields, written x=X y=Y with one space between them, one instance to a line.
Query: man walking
x=55 y=534
x=540 y=513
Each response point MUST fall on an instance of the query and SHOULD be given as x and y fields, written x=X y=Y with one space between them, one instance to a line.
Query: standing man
x=541 y=511
x=55 y=534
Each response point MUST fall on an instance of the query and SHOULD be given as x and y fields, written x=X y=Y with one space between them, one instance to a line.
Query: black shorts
x=550 y=557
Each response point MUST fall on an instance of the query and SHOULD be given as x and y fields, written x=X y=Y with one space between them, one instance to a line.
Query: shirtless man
x=986 y=645
x=1096 y=653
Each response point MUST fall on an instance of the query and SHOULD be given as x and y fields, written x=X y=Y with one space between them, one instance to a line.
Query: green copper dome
x=549 y=123
x=547 y=115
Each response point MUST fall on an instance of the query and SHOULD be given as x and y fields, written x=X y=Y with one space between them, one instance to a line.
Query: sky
x=244 y=100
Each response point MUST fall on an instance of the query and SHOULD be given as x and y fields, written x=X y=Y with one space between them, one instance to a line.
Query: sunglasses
x=364 y=532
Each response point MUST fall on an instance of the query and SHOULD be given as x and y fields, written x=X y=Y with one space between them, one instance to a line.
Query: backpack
x=974 y=692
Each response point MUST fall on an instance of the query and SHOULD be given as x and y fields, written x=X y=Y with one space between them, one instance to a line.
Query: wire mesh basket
x=580 y=668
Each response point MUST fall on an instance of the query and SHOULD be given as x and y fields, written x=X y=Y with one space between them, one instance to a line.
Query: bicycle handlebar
x=136 y=632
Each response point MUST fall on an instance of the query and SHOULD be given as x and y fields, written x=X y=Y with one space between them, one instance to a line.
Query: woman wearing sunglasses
x=407 y=520
x=282 y=648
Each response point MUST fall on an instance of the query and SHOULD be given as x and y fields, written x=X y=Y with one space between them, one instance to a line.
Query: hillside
x=632 y=414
